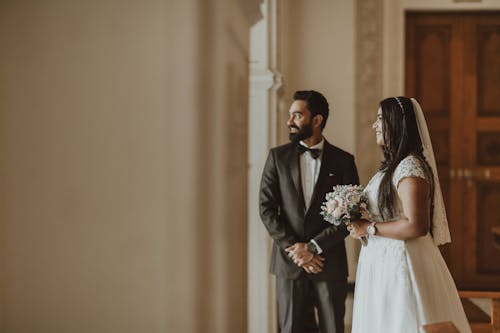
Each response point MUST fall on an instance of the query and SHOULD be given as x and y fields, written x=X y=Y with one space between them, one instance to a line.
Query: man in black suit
x=309 y=256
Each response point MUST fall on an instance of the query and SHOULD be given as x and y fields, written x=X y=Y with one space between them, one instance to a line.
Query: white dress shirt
x=309 y=172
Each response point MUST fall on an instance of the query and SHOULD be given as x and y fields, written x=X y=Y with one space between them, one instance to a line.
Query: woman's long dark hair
x=401 y=139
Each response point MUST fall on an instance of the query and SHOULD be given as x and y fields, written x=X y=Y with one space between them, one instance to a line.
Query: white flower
x=342 y=202
x=337 y=213
x=331 y=205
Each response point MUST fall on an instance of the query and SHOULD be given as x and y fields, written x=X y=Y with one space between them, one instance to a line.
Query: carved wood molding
x=369 y=76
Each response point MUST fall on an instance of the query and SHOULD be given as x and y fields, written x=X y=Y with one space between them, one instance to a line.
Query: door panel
x=453 y=69
x=429 y=70
x=481 y=149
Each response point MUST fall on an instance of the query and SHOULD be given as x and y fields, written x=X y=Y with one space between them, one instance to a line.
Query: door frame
x=393 y=52
x=394 y=23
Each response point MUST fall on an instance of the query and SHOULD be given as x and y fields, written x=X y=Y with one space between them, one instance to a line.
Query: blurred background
x=133 y=135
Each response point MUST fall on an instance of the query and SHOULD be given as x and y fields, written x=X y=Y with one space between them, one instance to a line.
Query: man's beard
x=305 y=132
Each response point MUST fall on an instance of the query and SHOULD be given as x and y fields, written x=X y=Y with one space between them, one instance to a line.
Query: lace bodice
x=384 y=249
x=410 y=166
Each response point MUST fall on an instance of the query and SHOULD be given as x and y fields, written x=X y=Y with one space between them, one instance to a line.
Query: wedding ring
x=311 y=268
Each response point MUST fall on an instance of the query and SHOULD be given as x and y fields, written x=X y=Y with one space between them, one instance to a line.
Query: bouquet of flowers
x=344 y=204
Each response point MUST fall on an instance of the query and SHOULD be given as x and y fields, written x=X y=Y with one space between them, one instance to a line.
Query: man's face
x=299 y=121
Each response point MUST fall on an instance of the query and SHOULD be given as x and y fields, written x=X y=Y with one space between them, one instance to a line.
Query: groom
x=309 y=256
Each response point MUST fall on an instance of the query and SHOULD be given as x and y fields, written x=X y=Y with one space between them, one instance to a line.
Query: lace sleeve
x=410 y=166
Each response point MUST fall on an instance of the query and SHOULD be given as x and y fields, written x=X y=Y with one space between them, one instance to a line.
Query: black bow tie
x=314 y=151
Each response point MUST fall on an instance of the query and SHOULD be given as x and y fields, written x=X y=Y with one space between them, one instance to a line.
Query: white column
x=264 y=87
x=211 y=112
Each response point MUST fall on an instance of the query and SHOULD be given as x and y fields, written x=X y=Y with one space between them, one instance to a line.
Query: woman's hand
x=358 y=228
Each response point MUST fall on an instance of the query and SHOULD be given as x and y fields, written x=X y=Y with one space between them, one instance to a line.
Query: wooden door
x=453 y=69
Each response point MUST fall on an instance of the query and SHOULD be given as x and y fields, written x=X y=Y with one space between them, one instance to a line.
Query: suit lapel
x=293 y=160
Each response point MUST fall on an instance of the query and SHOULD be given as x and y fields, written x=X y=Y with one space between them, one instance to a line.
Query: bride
x=402 y=281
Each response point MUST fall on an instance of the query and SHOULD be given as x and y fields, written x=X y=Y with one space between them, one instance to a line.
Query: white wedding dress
x=402 y=285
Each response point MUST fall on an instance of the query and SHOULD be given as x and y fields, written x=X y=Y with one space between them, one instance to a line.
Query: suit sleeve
x=332 y=235
x=269 y=205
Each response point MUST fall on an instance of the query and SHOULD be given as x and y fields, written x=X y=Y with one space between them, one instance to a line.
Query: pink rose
x=331 y=206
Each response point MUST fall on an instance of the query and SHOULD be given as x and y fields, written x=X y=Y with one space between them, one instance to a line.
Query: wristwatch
x=312 y=248
x=372 y=230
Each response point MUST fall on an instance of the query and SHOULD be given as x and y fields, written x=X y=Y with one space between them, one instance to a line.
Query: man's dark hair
x=316 y=103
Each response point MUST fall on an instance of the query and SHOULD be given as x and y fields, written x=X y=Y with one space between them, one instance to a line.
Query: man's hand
x=314 y=266
x=299 y=254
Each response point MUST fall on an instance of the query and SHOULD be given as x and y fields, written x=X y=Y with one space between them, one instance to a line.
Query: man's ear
x=317 y=120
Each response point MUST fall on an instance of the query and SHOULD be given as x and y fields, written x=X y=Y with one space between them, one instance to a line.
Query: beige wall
x=83 y=134
x=122 y=201
x=319 y=54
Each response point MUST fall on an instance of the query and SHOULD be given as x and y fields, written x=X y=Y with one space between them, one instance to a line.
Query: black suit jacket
x=283 y=212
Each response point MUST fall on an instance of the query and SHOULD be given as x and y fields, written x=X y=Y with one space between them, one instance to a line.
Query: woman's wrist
x=366 y=224
x=372 y=229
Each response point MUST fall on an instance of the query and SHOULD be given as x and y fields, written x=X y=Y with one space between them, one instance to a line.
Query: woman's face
x=377 y=126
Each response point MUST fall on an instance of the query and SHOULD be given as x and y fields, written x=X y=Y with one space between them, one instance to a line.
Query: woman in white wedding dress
x=402 y=281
